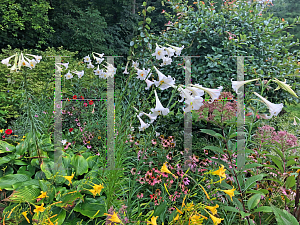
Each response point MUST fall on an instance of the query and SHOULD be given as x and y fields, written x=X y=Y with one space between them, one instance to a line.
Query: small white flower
x=101 y=55
x=237 y=84
x=68 y=75
x=142 y=74
x=31 y=63
x=64 y=142
x=151 y=117
x=157 y=134
x=274 y=109
x=195 y=91
x=87 y=59
x=143 y=124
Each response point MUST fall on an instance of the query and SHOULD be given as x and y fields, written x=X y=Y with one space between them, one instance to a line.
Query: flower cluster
x=21 y=60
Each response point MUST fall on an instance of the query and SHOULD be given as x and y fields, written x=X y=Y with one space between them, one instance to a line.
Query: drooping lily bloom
x=80 y=74
x=237 y=84
x=213 y=93
x=164 y=82
x=274 y=109
x=6 y=61
x=151 y=117
x=143 y=124
x=166 y=61
x=170 y=51
x=142 y=74
x=284 y=86
x=37 y=57
x=125 y=71
x=159 y=109
x=68 y=75
x=149 y=84
x=195 y=91
x=177 y=49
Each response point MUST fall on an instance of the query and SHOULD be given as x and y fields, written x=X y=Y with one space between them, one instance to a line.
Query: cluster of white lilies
x=190 y=94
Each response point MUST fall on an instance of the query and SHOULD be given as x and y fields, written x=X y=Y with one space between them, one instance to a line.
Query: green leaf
x=278 y=162
x=148 y=20
x=144 y=4
x=26 y=194
x=214 y=148
x=263 y=209
x=252 y=165
x=68 y=199
x=61 y=215
x=147 y=27
x=4 y=160
x=230 y=208
x=146 y=39
x=291 y=162
x=250 y=182
x=290 y=182
x=5 y=147
x=91 y=208
x=7 y=181
x=212 y=133
x=80 y=164
x=243 y=214
x=142 y=34
x=283 y=217
x=160 y=209
x=253 y=201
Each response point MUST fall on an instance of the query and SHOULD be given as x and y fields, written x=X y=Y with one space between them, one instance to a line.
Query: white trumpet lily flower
x=87 y=59
x=193 y=104
x=68 y=75
x=213 y=93
x=159 y=109
x=164 y=82
x=31 y=63
x=166 y=61
x=284 y=86
x=37 y=57
x=135 y=64
x=159 y=52
x=142 y=74
x=101 y=55
x=170 y=51
x=274 y=109
x=195 y=91
x=111 y=70
x=143 y=124
x=149 y=84
x=184 y=93
x=295 y=123
x=6 y=61
x=151 y=116
x=177 y=49
x=237 y=84
x=90 y=65
x=125 y=72
x=80 y=74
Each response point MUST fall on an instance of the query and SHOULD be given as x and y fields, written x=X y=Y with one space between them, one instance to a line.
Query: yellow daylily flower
x=153 y=220
x=1 y=131
x=43 y=195
x=215 y=220
x=25 y=215
x=176 y=218
x=189 y=206
x=285 y=86
x=229 y=192
x=213 y=209
x=114 y=218
x=98 y=188
x=220 y=172
x=39 y=209
x=197 y=219
x=94 y=192
x=69 y=178
x=164 y=169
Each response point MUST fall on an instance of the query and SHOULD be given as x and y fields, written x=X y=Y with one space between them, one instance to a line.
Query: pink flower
x=88 y=146
x=85 y=104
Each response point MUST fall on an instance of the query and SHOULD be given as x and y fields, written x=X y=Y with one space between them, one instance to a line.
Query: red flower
x=81 y=97
x=85 y=104
x=74 y=97
x=71 y=129
x=8 y=131
x=91 y=102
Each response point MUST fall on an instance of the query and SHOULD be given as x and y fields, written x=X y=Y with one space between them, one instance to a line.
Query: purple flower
x=36 y=116
x=186 y=181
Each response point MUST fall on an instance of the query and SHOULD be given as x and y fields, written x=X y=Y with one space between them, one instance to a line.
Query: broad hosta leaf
x=283 y=217
x=91 y=208
x=69 y=198
x=26 y=194
x=80 y=164
x=5 y=147
x=7 y=181
x=61 y=215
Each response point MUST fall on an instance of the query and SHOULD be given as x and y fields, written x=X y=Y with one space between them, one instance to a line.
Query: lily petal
x=237 y=84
